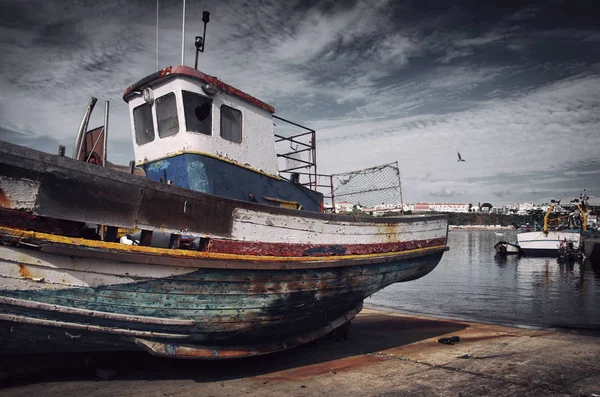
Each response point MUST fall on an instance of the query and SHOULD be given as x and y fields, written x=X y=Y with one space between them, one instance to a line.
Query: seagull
x=460 y=158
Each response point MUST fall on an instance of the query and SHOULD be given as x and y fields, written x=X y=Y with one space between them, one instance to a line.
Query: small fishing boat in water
x=560 y=226
x=251 y=264
x=506 y=248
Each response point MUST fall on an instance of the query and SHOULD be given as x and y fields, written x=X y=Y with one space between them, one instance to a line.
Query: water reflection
x=472 y=283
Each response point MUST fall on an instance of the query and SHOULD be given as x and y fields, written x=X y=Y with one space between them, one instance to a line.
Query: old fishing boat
x=251 y=263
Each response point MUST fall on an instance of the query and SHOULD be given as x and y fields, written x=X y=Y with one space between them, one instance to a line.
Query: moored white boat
x=547 y=242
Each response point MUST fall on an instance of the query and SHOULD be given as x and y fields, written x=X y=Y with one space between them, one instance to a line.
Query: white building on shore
x=441 y=207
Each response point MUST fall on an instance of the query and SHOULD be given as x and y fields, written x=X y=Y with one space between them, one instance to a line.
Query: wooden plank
x=85 y=197
x=92 y=313
x=174 y=241
x=86 y=327
x=252 y=225
x=146 y=238
x=185 y=215
x=27 y=221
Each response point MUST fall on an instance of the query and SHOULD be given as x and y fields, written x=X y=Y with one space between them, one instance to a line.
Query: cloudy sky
x=515 y=89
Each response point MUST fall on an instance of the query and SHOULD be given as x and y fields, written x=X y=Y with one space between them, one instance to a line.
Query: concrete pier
x=386 y=355
x=590 y=246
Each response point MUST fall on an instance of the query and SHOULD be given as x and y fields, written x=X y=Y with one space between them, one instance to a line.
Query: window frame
x=156 y=107
x=241 y=124
x=186 y=112
x=135 y=124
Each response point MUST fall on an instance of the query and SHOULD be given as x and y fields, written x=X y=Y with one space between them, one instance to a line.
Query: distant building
x=422 y=207
x=382 y=209
x=344 y=206
x=441 y=207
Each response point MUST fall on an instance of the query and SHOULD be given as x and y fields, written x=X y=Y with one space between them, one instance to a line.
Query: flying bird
x=460 y=158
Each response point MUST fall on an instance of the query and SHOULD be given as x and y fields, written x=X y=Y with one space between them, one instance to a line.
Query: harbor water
x=471 y=283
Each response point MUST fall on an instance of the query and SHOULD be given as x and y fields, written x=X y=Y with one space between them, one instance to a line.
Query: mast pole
x=183 y=35
x=157 y=34
x=400 y=186
x=105 y=131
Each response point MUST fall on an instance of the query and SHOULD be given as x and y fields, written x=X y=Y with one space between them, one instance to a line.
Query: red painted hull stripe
x=282 y=249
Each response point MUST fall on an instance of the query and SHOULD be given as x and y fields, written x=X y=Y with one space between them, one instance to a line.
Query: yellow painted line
x=179 y=253
x=168 y=156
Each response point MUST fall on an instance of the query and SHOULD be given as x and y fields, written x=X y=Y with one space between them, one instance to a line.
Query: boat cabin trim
x=179 y=70
x=230 y=161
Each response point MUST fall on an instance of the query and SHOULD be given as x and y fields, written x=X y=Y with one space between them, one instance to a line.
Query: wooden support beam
x=146 y=238
x=174 y=241
x=111 y=234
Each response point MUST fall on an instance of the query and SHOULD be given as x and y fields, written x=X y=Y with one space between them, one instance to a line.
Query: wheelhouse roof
x=172 y=71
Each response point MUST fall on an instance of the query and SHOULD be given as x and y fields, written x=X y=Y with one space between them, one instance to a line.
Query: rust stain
x=4 y=201
x=310 y=371
x=322 y=250
x=391 y=232
x=24 y=271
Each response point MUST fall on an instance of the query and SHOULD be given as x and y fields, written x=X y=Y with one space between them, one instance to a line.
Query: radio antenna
x=157 y=34
x=183 y=34
x=201 y=40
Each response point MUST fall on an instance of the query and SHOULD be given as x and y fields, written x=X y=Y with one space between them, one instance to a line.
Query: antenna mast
x=156 y=34
x=183 y=35
x=200 y=40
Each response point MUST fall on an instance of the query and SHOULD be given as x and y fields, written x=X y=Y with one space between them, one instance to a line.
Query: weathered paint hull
x=209 y=310
x=262 y=279
x=203 y=173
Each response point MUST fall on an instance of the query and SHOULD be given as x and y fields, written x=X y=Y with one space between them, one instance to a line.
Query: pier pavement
x=386 y=354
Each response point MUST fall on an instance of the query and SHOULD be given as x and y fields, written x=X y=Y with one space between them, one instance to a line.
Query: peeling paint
x=24 y=271
x=4 y=202
x=159 y=165
x=21 y=235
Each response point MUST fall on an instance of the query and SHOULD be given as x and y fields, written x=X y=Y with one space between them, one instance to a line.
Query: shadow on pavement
x=369 y=333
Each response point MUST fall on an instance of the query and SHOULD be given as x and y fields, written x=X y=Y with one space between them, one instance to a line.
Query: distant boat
x=547 y=242
x=499 y=234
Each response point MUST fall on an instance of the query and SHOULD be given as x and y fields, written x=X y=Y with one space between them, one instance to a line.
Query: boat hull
x=545 y=244
x=199 y=313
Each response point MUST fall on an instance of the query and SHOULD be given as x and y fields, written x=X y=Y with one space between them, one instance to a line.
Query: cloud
x=518 y=137
x=444 y=192
x=514 y=90
x=488 y=38
x=43 y=143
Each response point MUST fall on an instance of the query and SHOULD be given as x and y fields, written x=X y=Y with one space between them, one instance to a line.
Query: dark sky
x=514 y=87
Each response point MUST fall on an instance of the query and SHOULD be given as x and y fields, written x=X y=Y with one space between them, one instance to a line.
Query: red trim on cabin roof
x=196 y=74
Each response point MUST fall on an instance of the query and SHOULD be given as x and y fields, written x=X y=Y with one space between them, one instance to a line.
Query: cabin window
x=231 y=124
x=197 y=109
x=166 y=115
x=144 y=128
